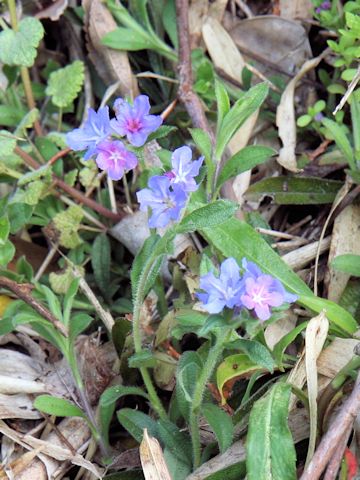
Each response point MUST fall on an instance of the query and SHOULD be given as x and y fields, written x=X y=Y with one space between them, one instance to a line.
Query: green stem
x=154 y=398
x=25 y=77
x=60 y=117
x=201 y=385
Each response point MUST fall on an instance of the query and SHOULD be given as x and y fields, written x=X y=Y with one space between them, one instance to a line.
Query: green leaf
x=341 y=140
x=295 y=190
x=123 y=38
x=188 y=371
x=303 y=121
x=179 y=469
x=67 y=223
x=144 y=358
x=269 y=446
x=108 y=401
x=135 y=421
x=119 y=332
x=7 y=252
x=140 y=259
x=202 y=141
x=57 y=406
x=19 y=215
x=65 y=84
x=353 y=22
x=220 y=423
x=101 y=261
x=27 y=122
x=234 y=366
x=78 y=324
x=255 y=351
x=239 y=113
x=212 y=214
x=19 y=48
x=348 y=264
x=162 y=132
x=69 y=299
x=4 y=230
x=178 y=443
x=246 y=159
x=223 y=102
x=7 y=142
x=237 y=239
x=284 y=342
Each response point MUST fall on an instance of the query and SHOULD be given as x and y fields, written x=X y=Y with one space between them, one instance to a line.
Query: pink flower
x=263 y=292
x=115 y=158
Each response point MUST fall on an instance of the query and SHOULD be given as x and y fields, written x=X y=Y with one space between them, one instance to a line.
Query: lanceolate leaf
x=347 y=263
x=221 y=424
x=57 y=406
x=246 y=159
x=237 y=239
x=212 y=214
x=295 y=190
x=270 y=447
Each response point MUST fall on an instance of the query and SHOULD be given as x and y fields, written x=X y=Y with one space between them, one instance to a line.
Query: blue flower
x=134 y=120
x=165 y=201
x=184 y=169
x=224 y=291
x=95 y=130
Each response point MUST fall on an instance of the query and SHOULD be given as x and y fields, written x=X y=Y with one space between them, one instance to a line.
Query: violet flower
x=134 y=121
x=95 y=130
x=224 y=291
x=184 y=169
x=165 y=201
x=326 y=5
x=115 y=158
x=263 y=291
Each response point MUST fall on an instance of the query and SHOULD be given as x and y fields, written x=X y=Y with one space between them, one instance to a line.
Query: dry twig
x=186 y=93
x=22 y=291
x=330 y=441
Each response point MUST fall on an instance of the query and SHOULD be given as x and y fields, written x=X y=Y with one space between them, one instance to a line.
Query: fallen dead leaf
x=222 y=49
x=272 y=41
x=296 y=9
x=285 y=118
x=53 y=11
x=112 y=65
x=315 y=336
x=152 y=459
x=344 y=239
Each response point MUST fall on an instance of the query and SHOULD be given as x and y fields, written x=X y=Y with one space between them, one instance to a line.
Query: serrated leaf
x=212 y=214
x=65 y=84
x=220 y=423
x=67 y=223
x=7 y=143
x=270 y=447
x=57 y=406
x=295 y=190
x=19 y=48
x=61 y=281
x=27 y=122
x=246 y=159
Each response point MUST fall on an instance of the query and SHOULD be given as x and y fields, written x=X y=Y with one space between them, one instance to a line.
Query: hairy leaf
x=65 y=84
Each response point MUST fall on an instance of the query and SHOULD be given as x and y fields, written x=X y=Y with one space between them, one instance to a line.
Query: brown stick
x=334 y=464
x=58 y=155
x=73 y=192
x=330 y=441
x=22 y=291
x=186 y=93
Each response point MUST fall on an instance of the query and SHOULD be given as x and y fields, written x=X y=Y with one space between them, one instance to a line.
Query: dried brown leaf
x=285 y=118
x=296 y=9
x=152 y=459
x=112 y=65
x=344 y=239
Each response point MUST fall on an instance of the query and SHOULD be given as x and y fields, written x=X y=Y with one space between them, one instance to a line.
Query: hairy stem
x=199 y=392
